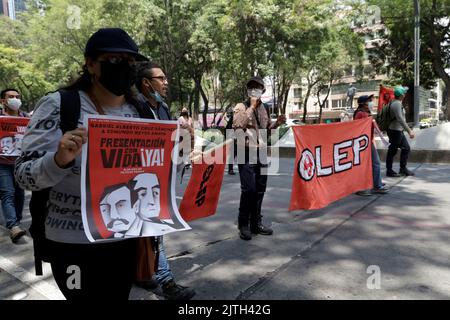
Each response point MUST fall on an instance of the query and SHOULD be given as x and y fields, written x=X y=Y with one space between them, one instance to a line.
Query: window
x=335 y=104
x=297 y=93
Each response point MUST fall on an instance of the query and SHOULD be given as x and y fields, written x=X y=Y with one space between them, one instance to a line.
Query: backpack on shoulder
x=383 y=117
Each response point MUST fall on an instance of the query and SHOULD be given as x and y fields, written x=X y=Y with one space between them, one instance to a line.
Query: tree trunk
x=205 y=108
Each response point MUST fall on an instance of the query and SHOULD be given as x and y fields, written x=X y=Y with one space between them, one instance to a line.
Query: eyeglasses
x=162 y=78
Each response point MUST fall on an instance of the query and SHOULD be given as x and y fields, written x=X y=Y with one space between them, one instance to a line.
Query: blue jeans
x=11 y=196
x=376 y=168
x=164 y=274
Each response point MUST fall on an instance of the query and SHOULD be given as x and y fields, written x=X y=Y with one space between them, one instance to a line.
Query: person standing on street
x=12 y=195
x=396 y=136
x=365 y=103
x=252 y=117
x=152 y=85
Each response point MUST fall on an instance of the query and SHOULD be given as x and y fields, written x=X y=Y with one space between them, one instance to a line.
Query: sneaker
x=244 y=233
x=147 y=284
x=173 y=291
x=261 y=229
x=393 y=174
x=406 y=172
x=16 y=233
x=364 y=193
x=382 y=190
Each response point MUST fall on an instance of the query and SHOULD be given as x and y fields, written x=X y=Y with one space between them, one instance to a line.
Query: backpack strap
x=70 y=110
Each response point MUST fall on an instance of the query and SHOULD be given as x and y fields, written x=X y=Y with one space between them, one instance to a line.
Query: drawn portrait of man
x=145 y=199
x=7 y=145
x=117 y=212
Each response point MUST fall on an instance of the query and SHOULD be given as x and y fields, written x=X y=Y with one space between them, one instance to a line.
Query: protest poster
x=12 y=130
x=128 y=178
x=332 y=162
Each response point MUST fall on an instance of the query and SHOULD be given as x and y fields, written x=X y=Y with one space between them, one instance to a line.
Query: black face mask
x=184 y=114
x=117 y=78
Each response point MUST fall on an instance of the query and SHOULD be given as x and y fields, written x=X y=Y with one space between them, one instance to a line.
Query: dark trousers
x=106 y=271
x=253 y=187
x=232 y=156
x=397 y=140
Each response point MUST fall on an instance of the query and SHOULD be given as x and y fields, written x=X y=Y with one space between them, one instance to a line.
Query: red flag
x=386 y=94
x=202 y=193
x=332 y=162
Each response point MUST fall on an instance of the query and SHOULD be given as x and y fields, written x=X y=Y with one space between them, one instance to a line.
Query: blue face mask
x=155 y=95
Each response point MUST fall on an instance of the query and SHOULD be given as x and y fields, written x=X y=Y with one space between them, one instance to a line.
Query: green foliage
x=208 y=48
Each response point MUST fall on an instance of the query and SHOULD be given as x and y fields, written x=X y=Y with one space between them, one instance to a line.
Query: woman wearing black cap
x=52 y=160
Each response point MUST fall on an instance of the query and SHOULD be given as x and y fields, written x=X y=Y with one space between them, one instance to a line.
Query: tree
x=398 y=16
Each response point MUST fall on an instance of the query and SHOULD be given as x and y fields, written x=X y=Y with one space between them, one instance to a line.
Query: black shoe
x=261 y=229
x=231 y=173
x=393 y=174
x=173 y=291
x=147 y=284
x=406 y=172
x=244 y=233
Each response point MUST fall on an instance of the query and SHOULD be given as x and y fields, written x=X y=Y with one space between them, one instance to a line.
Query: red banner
x=128 y=178
x=202 y=193
x=332 y=162
x=385 y=95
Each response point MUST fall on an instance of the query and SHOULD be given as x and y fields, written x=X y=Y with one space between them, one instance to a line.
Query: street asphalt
x=393 y=246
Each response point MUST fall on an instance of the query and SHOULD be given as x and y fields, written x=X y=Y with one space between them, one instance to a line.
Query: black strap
x=69 y=110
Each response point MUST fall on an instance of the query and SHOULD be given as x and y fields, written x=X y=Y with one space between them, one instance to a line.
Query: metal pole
x=416 y=61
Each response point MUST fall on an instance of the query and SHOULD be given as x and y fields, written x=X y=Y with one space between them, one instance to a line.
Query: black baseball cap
x=112 y=40
x=256 y=79
x=364 y=99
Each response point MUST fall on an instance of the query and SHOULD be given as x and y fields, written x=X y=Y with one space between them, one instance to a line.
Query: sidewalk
x=323 y=254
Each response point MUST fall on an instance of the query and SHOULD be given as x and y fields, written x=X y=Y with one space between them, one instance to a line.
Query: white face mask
x=370 y=104
x=14 y=104
x=255 y=93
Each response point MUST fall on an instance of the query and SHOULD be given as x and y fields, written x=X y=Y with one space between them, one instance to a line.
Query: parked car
x=424 y=124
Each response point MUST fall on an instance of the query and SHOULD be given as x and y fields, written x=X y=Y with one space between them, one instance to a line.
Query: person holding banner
x=152 y=86
x=51 y=160
x=396 y=136
x=250 y=119
x=365 y=104
x=11 y=195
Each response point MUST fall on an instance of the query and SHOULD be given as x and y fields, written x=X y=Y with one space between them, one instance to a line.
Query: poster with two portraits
x=128 y=181
x=12 y=130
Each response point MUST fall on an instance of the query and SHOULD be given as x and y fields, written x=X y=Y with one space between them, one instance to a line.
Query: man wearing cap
x=396 y=136
x=252 y=118
x=365 y=103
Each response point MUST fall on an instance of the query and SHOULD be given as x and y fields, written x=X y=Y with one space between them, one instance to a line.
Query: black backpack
x=69 y=116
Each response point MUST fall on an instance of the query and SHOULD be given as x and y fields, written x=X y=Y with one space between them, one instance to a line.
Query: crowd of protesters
x=117 y=80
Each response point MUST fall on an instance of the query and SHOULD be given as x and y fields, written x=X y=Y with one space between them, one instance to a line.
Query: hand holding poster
x=12 y=130
x=128 y=178
x=202 y=193
x=333 y=161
